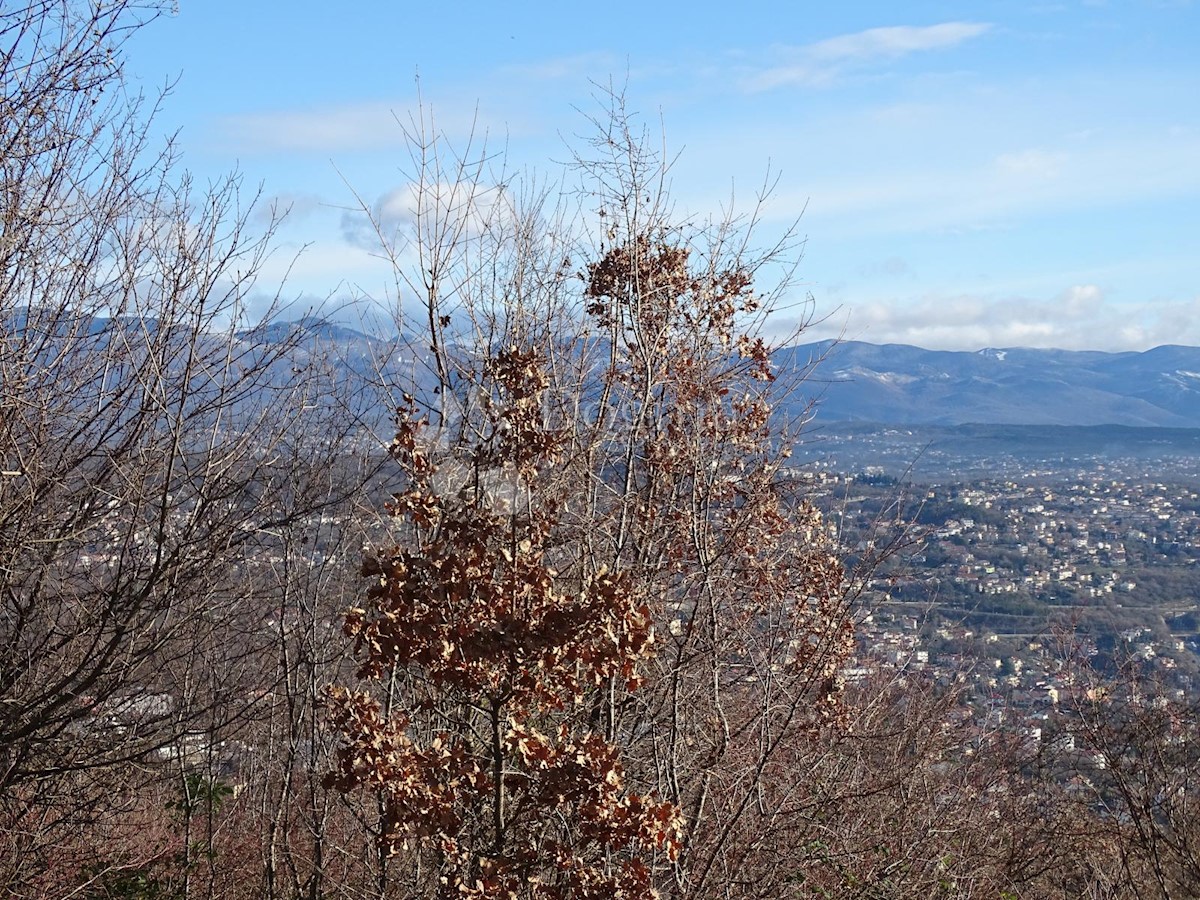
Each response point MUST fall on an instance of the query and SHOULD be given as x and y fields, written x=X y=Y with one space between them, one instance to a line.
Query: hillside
x=899 y=384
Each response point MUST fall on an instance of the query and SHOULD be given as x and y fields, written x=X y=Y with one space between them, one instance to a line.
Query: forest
x=568 y=628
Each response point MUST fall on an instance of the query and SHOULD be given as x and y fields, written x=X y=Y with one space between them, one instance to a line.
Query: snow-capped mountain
x=895 y=383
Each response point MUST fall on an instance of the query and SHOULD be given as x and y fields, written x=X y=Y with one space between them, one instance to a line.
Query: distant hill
x=855 y=382
x=900 y=384
x=893 y=383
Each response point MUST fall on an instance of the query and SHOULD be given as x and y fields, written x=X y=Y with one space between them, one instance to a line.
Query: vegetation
x=598 y=644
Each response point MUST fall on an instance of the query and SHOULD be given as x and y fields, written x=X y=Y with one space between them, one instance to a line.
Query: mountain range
x=857 y=382
x=900 y=384
x=905 y=385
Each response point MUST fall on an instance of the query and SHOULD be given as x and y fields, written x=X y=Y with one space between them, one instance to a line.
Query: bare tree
x=150 y=438
x=1136 y=747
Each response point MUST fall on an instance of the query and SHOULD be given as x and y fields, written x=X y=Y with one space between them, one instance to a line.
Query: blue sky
x=971 y=174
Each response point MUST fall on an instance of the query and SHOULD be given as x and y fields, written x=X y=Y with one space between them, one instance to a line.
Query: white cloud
x=321 y=267
x=1081 y=299
x=371 y=125
x=990 y=191
x=818 y=63
x=1080 y=317
x=329 y=129
x=465 y=209
x=390 y=218
x=894 y=41
x=291 y=206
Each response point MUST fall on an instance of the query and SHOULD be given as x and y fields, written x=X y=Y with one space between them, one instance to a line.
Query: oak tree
x=595 y=451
